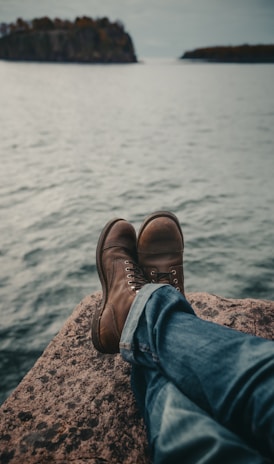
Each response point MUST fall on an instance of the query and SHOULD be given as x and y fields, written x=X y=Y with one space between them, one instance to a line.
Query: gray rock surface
x=76 y=405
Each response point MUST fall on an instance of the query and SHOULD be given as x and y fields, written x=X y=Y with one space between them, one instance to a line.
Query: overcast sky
x=164 y=27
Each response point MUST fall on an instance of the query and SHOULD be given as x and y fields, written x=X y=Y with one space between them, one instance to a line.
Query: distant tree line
x=47 y=24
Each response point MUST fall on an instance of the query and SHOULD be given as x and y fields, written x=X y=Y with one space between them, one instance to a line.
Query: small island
x=84 y=40
x=230 y=54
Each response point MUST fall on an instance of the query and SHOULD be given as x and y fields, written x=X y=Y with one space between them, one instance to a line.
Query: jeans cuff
x=136 y=310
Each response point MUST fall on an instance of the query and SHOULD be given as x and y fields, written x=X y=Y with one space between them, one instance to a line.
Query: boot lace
x=135 y=276
x=166 y=277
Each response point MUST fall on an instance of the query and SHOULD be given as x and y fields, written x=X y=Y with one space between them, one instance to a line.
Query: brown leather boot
x=160 y=247
x=121 y=278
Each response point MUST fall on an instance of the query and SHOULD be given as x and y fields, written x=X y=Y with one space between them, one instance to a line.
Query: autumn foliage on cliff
x=83 y=40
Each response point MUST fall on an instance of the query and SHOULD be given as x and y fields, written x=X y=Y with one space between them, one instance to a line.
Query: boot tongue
x=163 y=277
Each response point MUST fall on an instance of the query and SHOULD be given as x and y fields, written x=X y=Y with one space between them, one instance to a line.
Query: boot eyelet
x=178 y=289
x=153 y=281
x=152 y=273
x=126 y=261
x=129 y=276
x=175 y=281
x=173 y=272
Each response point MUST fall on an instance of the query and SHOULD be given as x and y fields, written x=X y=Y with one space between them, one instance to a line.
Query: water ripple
x=125 y=143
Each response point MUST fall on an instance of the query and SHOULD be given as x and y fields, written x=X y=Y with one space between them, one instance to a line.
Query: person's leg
x=179 y=431
x=209 y=364
x=228 y=374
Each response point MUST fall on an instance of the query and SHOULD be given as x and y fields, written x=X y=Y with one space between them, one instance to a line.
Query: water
x=81 y=144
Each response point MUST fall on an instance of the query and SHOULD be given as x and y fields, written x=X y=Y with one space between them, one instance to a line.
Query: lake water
x=81 y=144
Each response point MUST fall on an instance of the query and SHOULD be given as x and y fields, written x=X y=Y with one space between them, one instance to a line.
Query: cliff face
x=239 y=54
x=84 y=41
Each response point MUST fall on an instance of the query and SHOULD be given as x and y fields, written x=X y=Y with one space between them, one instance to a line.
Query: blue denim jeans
x=206 y=392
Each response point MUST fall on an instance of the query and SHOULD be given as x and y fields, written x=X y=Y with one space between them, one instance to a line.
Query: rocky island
x=84 y=40
x=237 y=54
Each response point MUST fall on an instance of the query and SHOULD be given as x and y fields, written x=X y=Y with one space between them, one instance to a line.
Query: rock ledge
x=76 y=405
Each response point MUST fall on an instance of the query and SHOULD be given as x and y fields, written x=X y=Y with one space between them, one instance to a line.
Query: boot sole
x=95 y=327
